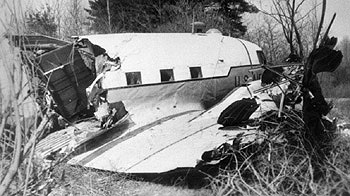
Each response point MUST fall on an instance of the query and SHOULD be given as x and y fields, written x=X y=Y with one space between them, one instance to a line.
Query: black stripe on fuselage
x=129 y=135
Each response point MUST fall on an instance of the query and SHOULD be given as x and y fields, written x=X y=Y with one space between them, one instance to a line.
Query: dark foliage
x=231 y=11
x=127 y=15
x=42 y=21
x=146 y=16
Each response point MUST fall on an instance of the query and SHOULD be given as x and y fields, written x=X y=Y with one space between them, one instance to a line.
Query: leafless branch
x=327 y=31
x=5 y=115
x=299 y=5
x=307 y=13
x=321 y=23
x=5 y=183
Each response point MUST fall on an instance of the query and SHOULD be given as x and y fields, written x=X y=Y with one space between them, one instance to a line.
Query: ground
x=72 y=180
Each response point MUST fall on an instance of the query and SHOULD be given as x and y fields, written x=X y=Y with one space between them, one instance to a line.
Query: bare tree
x=18 y=127
x=109 y=17
x=288 y=13
x=269 y=37
x=73 y=20
x=42 y=21
x=58 y=12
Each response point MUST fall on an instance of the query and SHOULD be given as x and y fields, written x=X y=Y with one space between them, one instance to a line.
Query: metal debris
x=238 y=112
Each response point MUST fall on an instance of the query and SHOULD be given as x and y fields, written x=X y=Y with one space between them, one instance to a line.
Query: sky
x=341 y=26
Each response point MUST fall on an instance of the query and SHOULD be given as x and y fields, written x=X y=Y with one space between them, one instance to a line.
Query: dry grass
x=277 y=169
x=19 y=125
x=72 y=180
x=286 y=164
x=290 y=174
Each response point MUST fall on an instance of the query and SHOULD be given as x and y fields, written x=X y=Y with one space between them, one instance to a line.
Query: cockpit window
x=261 y=57
x=166 y=75
x=196 y=72
x=133 y=78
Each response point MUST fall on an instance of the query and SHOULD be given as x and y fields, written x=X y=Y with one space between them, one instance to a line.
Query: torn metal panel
x=102 y=61
x=61 y=68
x=175 y=141
x=157 y=147
x=322 y=59
x=37 y=42
x=67 y=76
x=326 y=60
x=238 y=112
x=79 y=137
x=269 y=77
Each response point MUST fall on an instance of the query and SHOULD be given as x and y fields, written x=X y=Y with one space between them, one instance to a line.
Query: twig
x=321 y=23
x=33 y=139
x=327 y=31
x=5 y=183
x=281 y=105
x=5 y=115
x=30 y=162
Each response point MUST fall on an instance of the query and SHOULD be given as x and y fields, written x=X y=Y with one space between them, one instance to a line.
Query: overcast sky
x=341 y=25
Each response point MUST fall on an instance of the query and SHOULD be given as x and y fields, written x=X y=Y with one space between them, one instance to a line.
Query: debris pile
x=290 y=144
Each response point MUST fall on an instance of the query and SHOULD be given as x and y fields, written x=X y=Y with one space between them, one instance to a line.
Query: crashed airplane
x=158 y=96
x=169 y=73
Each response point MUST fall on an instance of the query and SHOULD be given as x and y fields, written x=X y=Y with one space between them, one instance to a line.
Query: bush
x=287 y=163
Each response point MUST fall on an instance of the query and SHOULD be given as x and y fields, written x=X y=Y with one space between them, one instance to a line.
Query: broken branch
x=321 y=23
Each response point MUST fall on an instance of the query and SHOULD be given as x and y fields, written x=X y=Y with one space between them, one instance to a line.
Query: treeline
x=66 y=18
x=168 y=15
x=61 y=19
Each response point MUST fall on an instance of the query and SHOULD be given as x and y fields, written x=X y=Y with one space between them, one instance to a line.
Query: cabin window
x=133 y=78
x=166 y=75
x=196 y=72
x=261 y=57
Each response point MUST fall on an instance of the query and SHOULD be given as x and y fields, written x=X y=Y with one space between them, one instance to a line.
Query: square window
x=133 y=78
x=196 y=72
x=166 y=75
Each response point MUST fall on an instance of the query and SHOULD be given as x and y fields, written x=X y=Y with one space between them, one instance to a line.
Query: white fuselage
x=168 y=73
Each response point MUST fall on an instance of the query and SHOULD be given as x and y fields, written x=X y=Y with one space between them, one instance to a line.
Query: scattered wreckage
x=152 y=103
